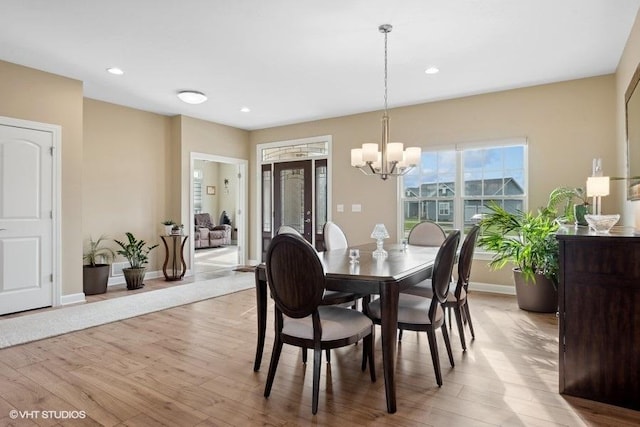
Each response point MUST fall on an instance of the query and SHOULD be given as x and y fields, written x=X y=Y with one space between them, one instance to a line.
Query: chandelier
x=392 y=159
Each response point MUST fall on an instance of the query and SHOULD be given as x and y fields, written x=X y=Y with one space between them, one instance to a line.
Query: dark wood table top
x=396 y=265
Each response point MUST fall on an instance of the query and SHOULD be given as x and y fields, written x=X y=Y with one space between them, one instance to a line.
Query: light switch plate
x=340 y=208
x=356 y=208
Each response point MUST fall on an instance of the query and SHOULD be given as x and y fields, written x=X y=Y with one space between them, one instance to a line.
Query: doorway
x=294 y=189
x=218 y=190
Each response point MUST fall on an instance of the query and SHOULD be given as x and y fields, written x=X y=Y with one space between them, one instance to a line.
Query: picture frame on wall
x=211 y=190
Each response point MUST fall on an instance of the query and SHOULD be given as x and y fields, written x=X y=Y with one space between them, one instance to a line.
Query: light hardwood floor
x=192 y=366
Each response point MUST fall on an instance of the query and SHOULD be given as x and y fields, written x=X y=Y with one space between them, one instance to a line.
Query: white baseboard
x=72 y=299
x=492 y=288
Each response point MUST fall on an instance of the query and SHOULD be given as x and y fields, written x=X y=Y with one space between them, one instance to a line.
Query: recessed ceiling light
x=192 y=96
x=115 y=70
x=432 y=70
x=245 y=109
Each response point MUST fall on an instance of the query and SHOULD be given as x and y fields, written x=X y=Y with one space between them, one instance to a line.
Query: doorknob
x=308 y=220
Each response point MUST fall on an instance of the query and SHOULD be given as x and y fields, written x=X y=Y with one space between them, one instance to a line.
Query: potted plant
x=137 y=253
x=168 y=225
x=177 y=229
x=95 y=274
x=569 y=204
x=527 y=241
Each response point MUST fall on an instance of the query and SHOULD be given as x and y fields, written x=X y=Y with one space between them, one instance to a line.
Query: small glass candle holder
x=354 y=255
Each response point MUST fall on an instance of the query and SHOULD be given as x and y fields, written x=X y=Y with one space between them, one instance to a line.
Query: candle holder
x=379 y=233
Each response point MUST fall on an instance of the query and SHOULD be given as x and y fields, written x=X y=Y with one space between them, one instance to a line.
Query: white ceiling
x=291 y=61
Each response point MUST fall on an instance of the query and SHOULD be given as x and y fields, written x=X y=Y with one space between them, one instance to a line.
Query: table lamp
x=597 y=186
x=379 y=233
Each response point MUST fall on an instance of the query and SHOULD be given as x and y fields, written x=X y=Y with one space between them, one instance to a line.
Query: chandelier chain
x=385 y=72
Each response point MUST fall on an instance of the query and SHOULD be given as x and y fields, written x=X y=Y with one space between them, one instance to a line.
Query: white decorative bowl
x=602 y=223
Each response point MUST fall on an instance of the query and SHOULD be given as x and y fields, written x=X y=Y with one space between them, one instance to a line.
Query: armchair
x=209 y=235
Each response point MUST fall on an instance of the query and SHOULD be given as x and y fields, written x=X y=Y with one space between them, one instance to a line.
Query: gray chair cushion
x=411 y=309
x=423 y=289
x=337 y=323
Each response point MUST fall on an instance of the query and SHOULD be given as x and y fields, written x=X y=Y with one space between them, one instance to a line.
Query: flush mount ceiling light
x=432 y=70
x=115 y=70
x=392 y=159
x=245 y=109
x=192 y=96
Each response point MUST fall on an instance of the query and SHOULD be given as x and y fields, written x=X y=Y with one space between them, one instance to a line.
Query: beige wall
x=37 y=96
x=567 y=124
x=200 y=136
x=627 y=66
x=127 y=174
x=228 y=196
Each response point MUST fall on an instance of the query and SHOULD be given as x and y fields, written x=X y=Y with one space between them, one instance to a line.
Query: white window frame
x=459 y=198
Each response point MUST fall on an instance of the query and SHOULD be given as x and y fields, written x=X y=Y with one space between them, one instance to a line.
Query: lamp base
x=379 y=252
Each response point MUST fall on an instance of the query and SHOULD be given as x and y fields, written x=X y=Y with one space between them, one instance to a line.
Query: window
x=453 y=186
x=197 y=191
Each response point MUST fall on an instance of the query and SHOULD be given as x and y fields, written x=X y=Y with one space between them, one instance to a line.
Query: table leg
x=261 y=300
x=389 y=294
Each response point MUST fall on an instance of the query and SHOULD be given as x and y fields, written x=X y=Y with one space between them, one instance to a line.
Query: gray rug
x=32 y=327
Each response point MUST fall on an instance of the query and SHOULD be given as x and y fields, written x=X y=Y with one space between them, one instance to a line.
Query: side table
x=175 y=256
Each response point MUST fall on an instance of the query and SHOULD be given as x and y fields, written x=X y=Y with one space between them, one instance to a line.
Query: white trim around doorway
x=56 y=197
x=241 y=203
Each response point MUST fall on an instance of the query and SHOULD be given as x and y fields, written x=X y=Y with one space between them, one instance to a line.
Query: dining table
x=403 y=266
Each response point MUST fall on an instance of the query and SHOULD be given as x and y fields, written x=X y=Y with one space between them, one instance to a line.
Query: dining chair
x=426 y=233
x=458 y=299
x=417 y=313
x=329 y=297
x=334 y=237
x=296 y=279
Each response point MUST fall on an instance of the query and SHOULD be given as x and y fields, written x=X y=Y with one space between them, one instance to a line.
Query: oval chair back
x=466 y=259
x=287 y=229
x=442 y=268
x=295 y=275
x=427 y=233
x=334 y=237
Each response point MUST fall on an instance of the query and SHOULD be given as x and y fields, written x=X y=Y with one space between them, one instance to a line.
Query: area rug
x=32 y=327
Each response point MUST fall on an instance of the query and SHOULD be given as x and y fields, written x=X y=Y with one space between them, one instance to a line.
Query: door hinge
x=51 y=214
x=51 y=150
x=51 y=277
x=239 y=175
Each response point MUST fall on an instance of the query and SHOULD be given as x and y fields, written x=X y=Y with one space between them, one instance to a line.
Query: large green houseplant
x=570 y=204
x=137 y=253
x=95 y=274
x=527 y=241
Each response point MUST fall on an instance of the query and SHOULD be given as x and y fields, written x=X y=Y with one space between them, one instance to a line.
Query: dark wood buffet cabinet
x=599 y=316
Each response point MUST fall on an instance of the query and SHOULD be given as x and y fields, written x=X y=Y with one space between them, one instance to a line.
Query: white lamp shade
x=403 y=163
x=597 y=186
x=394 y=151
x=369 y=152
x=356 y=157
x=413 y=155
x=377 y=164
x=379 y=232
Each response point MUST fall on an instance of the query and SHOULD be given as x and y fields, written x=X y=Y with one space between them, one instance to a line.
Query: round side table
x=175 y=256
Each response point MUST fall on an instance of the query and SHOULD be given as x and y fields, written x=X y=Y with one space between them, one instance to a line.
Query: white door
x=26 y=224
